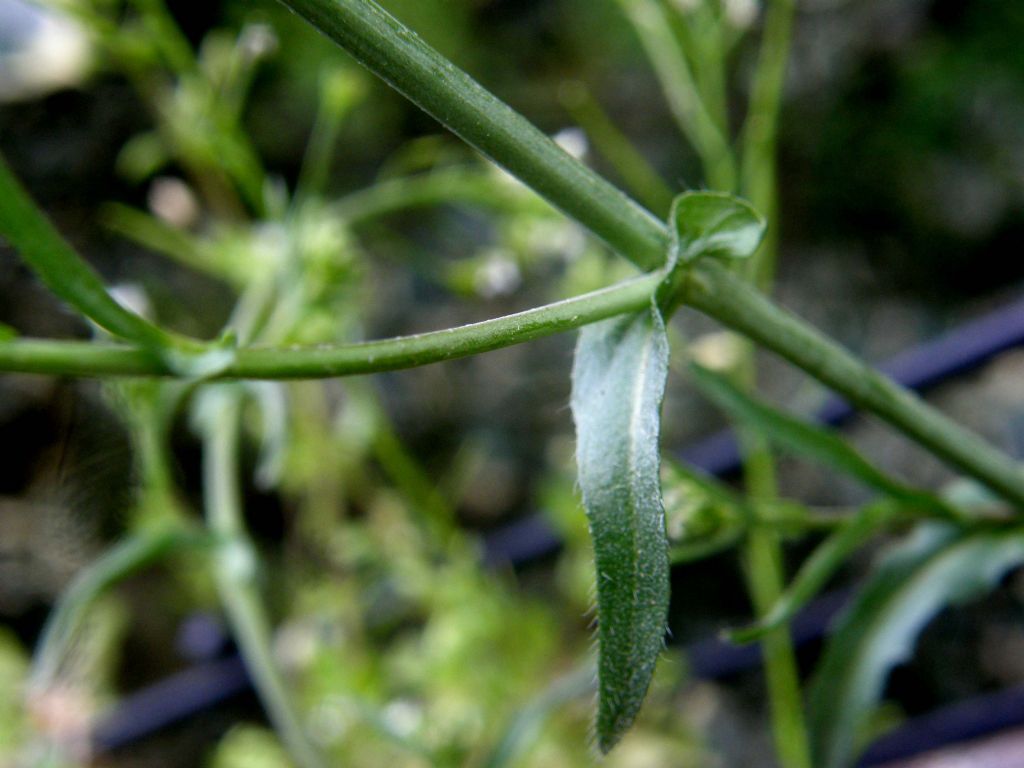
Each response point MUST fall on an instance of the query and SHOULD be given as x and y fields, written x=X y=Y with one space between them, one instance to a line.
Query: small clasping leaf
x=713 y=224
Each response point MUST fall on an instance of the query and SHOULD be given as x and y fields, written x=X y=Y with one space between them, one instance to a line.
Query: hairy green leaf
x=937 y=567
x=806 y=439
x=713 y=224
x=618 y=383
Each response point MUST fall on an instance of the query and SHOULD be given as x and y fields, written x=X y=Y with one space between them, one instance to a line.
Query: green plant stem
x=120 y=562
x=330 y=115
x=236 y=568
x=765 y=576
x=167 y=37
x=716 y=292
x=451 y=185
x=631 y=166
x=758 y=182
x=763 y=560
x=830 y=555
x=522 y=731
x=710 y=288
x=84 y=359
x=765 y=556
x=397 y=55
x=160 y=237
x=41 y=246
x=700 y=32
x=695 y=121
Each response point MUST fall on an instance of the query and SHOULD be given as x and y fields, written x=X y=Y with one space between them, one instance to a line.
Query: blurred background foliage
x=199 y=153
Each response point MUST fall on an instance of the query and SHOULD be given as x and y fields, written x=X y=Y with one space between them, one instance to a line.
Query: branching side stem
x=236 y=568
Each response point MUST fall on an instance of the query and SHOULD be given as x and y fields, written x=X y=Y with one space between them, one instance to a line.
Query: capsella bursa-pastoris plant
x=696 y=258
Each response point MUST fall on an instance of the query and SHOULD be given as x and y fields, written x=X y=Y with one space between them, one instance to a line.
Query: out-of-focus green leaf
x=523 y=729
x=938 y=566
x=618 y=383
x=808 y=440
x=820 y=566
x=713 y=224
x=63 y=271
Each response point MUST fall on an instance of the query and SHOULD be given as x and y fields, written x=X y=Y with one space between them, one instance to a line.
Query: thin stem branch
x=763 y=559
x=471 y=186
x=700 y=32
x=684 y=99
x=85 y=359
x=117 y=564
x=631 y=166
x=760 y=131
x=338 y=93
x=765 y=556
x=236 y=568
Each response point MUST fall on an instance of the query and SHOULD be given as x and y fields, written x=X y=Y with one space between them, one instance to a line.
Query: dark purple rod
x=174 y=698
x=963 y=349
x=958 y=722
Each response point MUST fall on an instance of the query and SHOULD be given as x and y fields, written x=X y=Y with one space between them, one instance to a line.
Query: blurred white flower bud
x=172 y=201
x=295 y=646
x=41 y=50
x=257 y=41
x=574 y=141
x=719 y=351
x=403 y=716
x=331 y=720
x=740 y=13
x=498 y=276
x=65 y=714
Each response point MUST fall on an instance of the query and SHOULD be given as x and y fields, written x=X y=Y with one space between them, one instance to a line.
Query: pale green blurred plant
x=390 y=641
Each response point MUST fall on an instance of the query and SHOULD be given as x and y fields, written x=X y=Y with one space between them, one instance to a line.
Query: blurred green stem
x=758 y=182
x=524 y=728
x=763 y=550
x=450 y=185
x=338 y=93
x=684 y=99
x=830 y=555
x=79 y=358
x=762 y=554
x=614 y=147
x=700 y=29
x=236 y=567
x=117 y=564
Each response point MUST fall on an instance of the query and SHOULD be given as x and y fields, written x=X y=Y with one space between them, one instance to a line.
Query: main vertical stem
x=236 y=567
x=763 y=553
